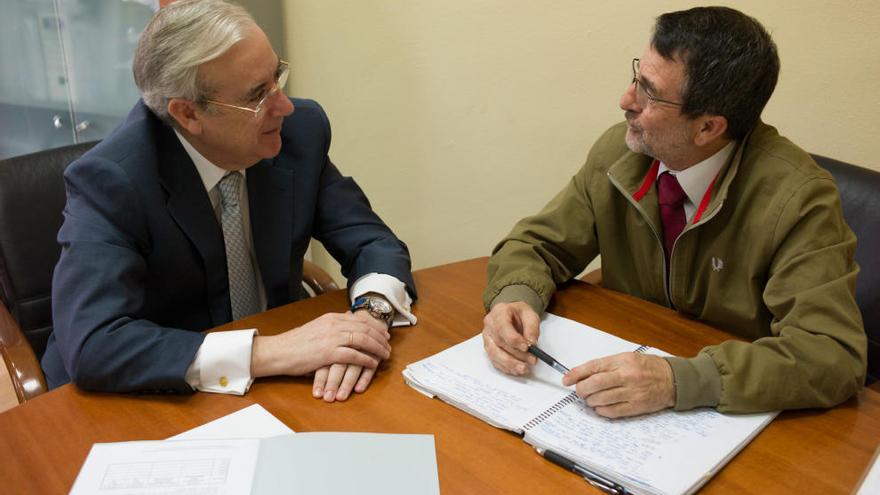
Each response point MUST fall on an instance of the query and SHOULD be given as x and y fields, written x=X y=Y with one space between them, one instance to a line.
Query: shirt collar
x=209 y=173
x=695 y=179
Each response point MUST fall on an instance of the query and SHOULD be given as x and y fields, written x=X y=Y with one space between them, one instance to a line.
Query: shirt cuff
x=390 y=288
x=697 y=381
x=517 y=293
x=223 y=363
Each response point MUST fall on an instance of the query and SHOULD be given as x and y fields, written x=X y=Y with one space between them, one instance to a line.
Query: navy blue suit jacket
x=143 y=265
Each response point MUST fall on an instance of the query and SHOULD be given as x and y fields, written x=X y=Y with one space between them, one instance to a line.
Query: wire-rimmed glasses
x=643 y=96
x=280 y=81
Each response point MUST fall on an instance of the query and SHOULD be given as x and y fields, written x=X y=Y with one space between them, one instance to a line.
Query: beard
x=668 y=144
x=635 y=139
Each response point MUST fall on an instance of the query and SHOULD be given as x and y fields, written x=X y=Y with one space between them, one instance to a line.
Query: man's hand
x=507 y=332
x=342 y=338
x=625 y=384
x=337 y=381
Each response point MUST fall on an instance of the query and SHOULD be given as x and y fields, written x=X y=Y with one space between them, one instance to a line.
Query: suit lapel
x=191 y=209
x=270 y=198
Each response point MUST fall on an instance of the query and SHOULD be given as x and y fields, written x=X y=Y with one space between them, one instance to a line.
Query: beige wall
x=459 y=117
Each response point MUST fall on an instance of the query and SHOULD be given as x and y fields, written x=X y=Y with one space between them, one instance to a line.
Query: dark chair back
x=860 y=195
x=32 y=199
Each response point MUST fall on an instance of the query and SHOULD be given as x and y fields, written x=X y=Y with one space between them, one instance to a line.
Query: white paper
x=665 y=452
x=573 y=343
x=670 y=452
x=871 y=482
x=251 y=422
x=319 y=462
x=506 y=401
x=212 y=459
x=190 y=467
x=331 y=463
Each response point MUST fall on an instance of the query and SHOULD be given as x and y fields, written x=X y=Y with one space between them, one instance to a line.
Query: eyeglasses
x=280 y=80
x=642 y=94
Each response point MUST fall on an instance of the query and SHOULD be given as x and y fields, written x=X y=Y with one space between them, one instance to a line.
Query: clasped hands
x=625 y=384
x=342 y=349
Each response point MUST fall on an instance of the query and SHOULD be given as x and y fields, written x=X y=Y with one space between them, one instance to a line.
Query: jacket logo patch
x=717 y=264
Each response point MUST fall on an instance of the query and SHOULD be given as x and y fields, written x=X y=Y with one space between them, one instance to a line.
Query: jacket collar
x=634 y=175
x=696 y=180
x=730 y=171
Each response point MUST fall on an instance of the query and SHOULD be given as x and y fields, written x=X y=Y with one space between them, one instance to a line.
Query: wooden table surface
x=44 y=442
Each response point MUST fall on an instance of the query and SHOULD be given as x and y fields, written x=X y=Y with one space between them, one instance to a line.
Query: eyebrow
x=648 y=84
x=257 y=89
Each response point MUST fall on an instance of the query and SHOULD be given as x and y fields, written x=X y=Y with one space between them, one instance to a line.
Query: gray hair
x=180 y=38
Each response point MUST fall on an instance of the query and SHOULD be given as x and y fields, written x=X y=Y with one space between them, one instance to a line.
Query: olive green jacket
x=770 y=260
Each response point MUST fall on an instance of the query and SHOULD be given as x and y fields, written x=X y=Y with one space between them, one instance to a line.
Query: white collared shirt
x=695 y=179
x=223 y=362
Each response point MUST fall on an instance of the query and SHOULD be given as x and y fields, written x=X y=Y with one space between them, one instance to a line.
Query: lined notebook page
x=463 y=376
x=573 y=343
x=672 y=452
x=666 y=452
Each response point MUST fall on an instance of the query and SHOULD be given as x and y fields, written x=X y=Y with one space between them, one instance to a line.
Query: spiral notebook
x=662 y=453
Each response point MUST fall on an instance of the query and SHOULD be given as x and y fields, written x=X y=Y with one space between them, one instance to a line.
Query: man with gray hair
x=198 y=210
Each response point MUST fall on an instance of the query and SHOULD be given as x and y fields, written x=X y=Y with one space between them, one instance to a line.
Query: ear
x=711 y=127
x=184 y=113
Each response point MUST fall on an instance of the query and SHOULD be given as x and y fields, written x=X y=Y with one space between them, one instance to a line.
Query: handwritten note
x=466 y=379
x=666 y=452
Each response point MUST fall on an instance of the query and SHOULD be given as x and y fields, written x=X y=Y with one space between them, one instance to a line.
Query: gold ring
x=351 y=339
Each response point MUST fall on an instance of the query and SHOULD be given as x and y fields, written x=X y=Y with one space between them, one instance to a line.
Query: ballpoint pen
x=543 y=356
x=592 y=478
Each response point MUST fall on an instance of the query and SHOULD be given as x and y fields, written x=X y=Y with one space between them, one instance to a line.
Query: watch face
x=380 y=305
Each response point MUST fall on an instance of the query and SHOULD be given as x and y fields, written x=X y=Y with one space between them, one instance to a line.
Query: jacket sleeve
x=352 y=232
x=98 y=290
x=545 y=249
x=816 y=355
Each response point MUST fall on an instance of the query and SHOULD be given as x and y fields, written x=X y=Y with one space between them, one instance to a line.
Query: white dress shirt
x=223 y=362
x=695 y=179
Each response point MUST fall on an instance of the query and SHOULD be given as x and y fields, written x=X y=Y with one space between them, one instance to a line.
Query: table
x=45 y=441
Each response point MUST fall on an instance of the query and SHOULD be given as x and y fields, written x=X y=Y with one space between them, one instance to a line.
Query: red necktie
x=671 y=199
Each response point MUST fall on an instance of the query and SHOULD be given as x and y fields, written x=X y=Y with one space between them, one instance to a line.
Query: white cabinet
x=65 y=69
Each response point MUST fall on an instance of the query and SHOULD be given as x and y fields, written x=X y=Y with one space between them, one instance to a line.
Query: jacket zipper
x=638 y=208
x=667 y=287
x=689 y=228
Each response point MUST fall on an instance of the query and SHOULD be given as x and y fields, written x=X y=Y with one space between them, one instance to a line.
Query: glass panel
x=100 y=38
x=34 y=112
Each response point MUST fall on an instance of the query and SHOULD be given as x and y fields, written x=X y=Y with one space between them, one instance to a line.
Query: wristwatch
x=377 y=306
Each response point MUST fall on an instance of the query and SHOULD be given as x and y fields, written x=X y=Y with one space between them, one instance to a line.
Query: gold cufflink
x=224 y=381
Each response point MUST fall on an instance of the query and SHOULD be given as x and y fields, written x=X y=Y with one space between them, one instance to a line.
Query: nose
x=287 y=105
x=281 y=105
x=628 y=99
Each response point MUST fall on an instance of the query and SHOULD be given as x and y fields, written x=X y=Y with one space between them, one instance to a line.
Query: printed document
x=190 y=467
